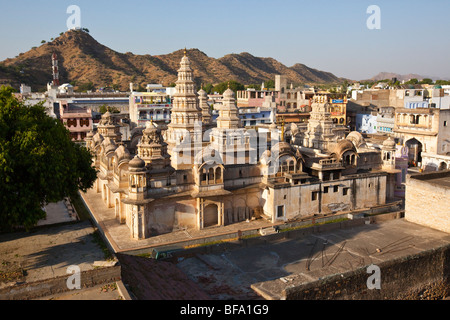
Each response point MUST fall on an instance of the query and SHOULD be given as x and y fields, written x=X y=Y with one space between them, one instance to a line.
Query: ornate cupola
x=229 y=138
x=388 y=154
x=228 y=112
x=108 y=127
x=152 y=149
x=319 y=134
x=137 y=183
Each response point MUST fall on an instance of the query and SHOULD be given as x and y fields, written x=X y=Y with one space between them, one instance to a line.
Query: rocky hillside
x=82 y=60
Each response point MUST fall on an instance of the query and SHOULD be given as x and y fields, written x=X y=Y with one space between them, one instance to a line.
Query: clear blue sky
x=324 y=34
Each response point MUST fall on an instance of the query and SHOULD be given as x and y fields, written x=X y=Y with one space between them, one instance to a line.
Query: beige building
x=425 y=131
x=435 y=188
x=193 y=176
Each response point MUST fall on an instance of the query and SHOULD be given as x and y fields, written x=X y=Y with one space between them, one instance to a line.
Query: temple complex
x=199 y=174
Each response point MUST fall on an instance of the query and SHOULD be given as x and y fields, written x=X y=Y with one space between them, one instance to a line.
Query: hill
x=400 y=77
x=82 y=60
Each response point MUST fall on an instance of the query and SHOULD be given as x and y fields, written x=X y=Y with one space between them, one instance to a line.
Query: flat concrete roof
x=271 y=267
x=441 y=178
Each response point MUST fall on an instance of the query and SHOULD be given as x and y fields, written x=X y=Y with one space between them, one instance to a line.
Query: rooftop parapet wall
x=399 y=278
x=427 y=199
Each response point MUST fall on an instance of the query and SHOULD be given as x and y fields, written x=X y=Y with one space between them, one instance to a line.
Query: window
x=280 y=211
x=325 y=189
x=445 y=123
x=344 y=191
x=284 y=197
x=314 y=195
x=335 y=188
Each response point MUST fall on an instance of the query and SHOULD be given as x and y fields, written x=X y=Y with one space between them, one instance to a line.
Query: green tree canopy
x=103 y=108
x=442 y=82
x=208 y=88
x=269 y=84
x=426 y=81
x=234 y=85
x=87 y=86
x=39 y=163
x=412 y=81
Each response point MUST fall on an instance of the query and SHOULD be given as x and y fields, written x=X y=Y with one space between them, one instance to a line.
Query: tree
x=88 y=86
x=269 y=84
x=103 y=108
x=442 y=82
x=234 y=85
x=426 y=81
x=39 y=163
x=412 y=81
x=208 y=88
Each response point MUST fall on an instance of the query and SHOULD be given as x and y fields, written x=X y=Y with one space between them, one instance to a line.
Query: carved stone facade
x=231 y=174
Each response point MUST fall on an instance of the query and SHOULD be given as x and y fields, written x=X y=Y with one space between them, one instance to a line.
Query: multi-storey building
x=425 y=131
x=146 y=106
x=77 y=120
x=385 y=120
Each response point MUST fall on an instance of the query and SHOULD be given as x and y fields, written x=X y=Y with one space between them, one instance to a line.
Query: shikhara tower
x=185 y=131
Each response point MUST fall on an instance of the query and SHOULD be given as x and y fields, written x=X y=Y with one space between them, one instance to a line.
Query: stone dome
x=202 y=93
x=356 y=138
x=109 y=145
x=389 y=143
x=282 y=147
x=136 y=163
x=342 y=146
x=228 y=93
x=122 y=154
x=150 y=126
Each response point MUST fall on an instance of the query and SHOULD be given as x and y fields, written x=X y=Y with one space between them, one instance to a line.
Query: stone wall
x=58 y=285
x=399 y=278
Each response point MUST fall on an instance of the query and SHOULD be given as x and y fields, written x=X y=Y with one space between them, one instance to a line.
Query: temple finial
x=185 y=51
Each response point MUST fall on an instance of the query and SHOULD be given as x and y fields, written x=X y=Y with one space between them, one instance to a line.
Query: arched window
x=284 y=166
x=291 y=166
x=203 y=177
x=347 y=159
x=218 y=175
x=211 y=175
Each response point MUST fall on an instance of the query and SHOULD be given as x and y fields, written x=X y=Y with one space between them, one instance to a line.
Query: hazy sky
x=327 y=35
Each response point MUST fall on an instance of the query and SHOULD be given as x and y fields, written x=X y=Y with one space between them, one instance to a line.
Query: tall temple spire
x=186 y=113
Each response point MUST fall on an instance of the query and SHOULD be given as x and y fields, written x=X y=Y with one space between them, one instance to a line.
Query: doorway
x=210 y=215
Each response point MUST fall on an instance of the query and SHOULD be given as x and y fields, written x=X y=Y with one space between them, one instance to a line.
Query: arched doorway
x=210 y=215
x=414 y=152
x=442 y=166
